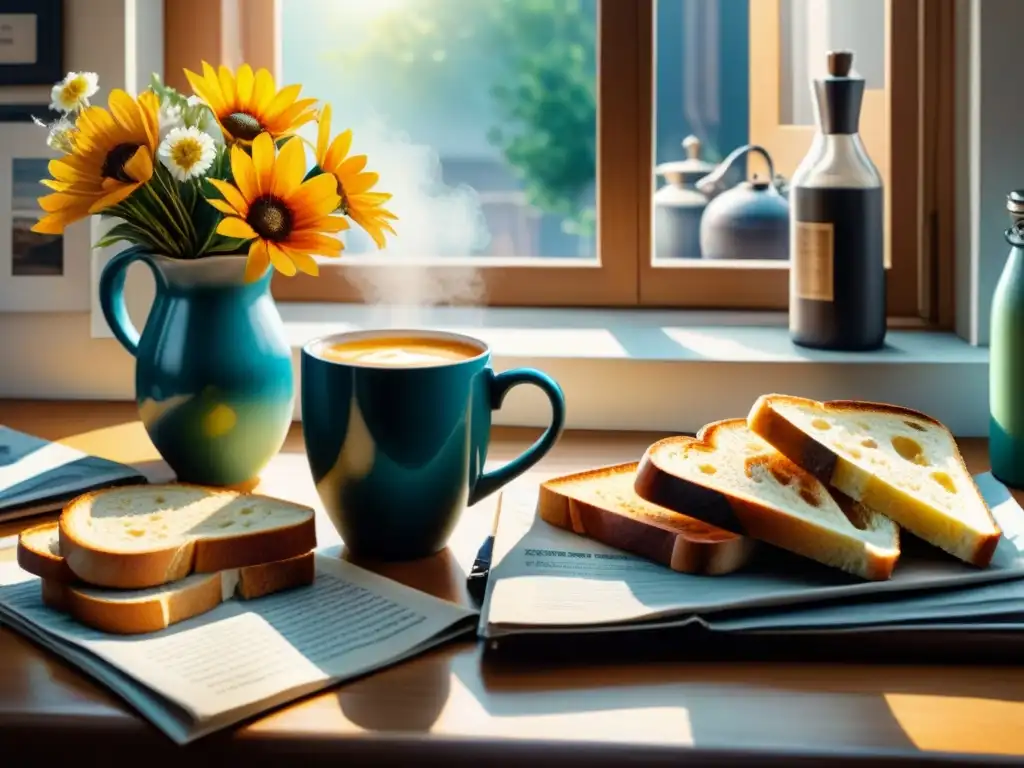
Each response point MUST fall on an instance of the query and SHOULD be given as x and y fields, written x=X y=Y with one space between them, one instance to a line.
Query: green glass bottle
x=1006 y=357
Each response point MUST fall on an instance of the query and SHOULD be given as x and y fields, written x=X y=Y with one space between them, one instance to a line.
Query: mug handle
x=500 y=384
x=111 y=291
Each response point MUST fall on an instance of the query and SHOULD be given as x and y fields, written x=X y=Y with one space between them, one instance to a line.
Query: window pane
x=703 y=99
x=702 y=92
x=810 y=28
x=479 y=115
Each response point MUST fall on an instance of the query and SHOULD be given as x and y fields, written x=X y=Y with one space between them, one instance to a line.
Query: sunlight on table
x=127 y=443
x=978 y=725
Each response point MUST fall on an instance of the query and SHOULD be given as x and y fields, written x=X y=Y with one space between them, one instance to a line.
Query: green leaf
x=226 y=245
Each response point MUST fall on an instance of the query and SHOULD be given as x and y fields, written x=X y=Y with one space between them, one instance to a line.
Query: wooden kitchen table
x=454 y=707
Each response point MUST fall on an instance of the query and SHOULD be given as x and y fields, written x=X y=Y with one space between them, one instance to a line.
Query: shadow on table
x=417 y=690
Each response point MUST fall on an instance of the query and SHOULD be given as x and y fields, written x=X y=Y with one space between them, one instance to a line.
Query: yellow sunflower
x=248 y=105
x=287 y=219
x=112 y=157
x=358 y=202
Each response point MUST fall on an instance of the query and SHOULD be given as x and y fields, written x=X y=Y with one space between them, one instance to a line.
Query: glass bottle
x=837 y=237
x=1006 y=357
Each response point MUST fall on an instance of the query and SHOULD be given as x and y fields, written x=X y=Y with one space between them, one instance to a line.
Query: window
x=482 y=119
x=526 y=141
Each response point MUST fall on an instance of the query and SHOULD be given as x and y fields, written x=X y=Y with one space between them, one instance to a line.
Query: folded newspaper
x=547 y=580
x=245 y=657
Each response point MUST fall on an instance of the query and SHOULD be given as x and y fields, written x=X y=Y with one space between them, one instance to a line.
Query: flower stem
x=175 y=197
x=171 y=218
x=149 y=223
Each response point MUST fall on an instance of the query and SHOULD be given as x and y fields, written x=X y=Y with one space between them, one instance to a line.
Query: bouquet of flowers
x=220 y=172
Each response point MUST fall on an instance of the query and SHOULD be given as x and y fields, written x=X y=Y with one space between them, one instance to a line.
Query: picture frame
x=38 y=273
x=31 y=42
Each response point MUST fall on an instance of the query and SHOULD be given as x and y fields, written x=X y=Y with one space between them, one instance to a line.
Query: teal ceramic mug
x=397 y=425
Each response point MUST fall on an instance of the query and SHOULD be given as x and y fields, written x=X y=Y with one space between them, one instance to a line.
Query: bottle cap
x=1015 y=201
x=840 y=63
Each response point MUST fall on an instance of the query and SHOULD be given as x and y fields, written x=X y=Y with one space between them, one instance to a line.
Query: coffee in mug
x=399 y=351
x=397 y=426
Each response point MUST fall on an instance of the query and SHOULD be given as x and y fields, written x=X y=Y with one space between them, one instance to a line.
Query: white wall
x=811 y=28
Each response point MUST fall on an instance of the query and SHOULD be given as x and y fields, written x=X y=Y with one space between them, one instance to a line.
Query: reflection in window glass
x=480 y=115
x=808 y=29
x=702 y=94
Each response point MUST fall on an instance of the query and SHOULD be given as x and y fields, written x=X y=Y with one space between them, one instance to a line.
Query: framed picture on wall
x=38 y=273
x=31 y=42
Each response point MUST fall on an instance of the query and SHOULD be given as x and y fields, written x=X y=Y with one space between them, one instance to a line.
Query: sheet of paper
x=543 y=576
x=247 y=656
x=972 y=603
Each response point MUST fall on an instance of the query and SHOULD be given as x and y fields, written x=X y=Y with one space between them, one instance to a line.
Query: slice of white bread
x=39 y=553
x=728 y=477
x=896 y=461
x=602 y=505
x=145 y=536
x=136 y=611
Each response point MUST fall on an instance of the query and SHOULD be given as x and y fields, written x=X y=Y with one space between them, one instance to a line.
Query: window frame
x=608 y=280
x=919 y=119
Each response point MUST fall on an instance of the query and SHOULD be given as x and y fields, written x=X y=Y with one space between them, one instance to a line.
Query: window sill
x=676 y=370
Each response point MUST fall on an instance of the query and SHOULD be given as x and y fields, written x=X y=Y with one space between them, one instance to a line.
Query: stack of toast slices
x=831 y=481
x=131 y=560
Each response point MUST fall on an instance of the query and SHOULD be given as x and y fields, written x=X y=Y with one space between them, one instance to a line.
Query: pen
x=476 y=581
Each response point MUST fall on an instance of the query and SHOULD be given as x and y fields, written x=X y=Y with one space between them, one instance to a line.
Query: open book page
x=245 y=656
x=543 y=577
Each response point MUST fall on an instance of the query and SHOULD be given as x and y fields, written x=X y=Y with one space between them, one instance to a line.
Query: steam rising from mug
x=435 y=223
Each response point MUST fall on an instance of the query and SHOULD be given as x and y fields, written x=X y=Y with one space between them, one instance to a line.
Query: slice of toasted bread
x=133 y=538
x=39 y=553
x=602 y=505
x=728 y=477
x=129 y=612
x=896 y=461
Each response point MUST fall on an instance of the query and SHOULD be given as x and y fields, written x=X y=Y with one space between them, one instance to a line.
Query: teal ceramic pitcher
x=1006 y=357
x=213 y=367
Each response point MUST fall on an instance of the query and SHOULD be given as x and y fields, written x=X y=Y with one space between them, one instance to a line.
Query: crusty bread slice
x=727 y=476
x=602 y=505
x=138 y=537
x=39 y=553
x=897 y=461
x=129 y=612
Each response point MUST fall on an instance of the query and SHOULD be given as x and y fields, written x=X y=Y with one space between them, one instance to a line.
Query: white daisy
x=170 y=118
x=74 y=91
x=60 y=133
x=62 y=136
x=206 y=122
x=187 y=153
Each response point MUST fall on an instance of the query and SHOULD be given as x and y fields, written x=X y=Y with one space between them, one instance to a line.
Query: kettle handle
x=712 y=184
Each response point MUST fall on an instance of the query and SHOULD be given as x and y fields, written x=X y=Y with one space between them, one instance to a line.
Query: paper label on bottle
x=813 y=262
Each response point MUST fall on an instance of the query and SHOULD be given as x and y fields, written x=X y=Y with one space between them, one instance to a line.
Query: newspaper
x=544 y=579
x=245 y=657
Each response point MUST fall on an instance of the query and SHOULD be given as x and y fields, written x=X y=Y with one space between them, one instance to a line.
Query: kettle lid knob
x=692 y=146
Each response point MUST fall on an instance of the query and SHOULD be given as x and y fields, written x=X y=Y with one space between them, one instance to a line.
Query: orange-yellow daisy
x=358 y=202
x=288 y=219
x=111 y=158
x=249 y=104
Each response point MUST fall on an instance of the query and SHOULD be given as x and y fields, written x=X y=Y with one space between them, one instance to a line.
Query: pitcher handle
x=111 y=291
x=500 y=384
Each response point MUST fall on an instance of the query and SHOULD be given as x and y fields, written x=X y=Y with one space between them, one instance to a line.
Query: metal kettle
x=678 y=205
x=747 y=221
